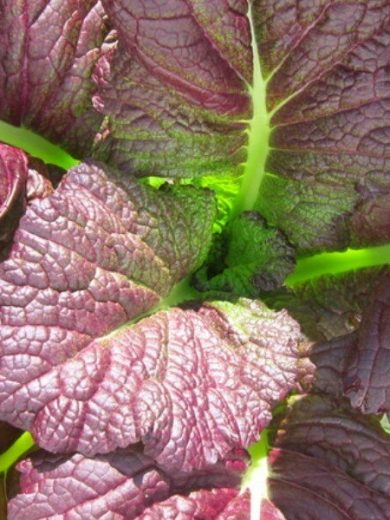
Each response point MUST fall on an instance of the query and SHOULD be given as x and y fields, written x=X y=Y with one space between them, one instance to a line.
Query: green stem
x=36 y=146
x=181 y=292
x=337 y=263
x=256 y=476
x=20 y=447
x=259 y=132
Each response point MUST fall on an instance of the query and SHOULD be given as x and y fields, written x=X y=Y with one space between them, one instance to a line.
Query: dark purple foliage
x=124 y=484
x=335 y=460
x=48 y=51
x=356 y=365
x=13 y=178
x=145 y=399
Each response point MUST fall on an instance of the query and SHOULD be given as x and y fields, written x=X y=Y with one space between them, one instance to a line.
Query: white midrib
x=258 y=134
x=256 y=479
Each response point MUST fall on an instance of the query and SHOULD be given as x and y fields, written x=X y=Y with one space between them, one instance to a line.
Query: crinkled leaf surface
x=191 y=385
x=326 y=69
x=298 y=90
x=330 y=361
x=330 y=462
x=174 y=96
x=328 y=430
x=48 y=50
x=85 y=260
x=356 y=365
x=309 y=79
x=128 y=485
x=368 y=369
x=13 y=177
x=125 y=484
x=328 y=306
x=303 y=485
x=257 y=259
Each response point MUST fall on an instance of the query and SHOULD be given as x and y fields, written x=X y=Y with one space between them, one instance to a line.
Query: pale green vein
x=337 y=263
x=36 y=146
x=259 y=132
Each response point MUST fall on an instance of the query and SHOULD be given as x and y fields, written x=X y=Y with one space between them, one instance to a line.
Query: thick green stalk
x=36 y=146
x=256 y=476
x=259 y=132
x=338 y=262
x=20 y=447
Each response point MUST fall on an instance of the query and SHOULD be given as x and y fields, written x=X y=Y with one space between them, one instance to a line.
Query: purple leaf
x=356 y=365
x=176 y=99
x=85 y=260
x=125 y=484
x=89 y=258
x=326 y=66
x=329 y=306
x=13 y=177
x=330 y=361
x=332 y=433
x=333 y=461
x=301 y=485
x=177 y=96
x=48 y=51
x=219 y=504
x=367 y=379
x=128 y=485
x=191 y=385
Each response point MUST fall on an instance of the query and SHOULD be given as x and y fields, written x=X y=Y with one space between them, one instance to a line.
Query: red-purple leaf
x=85 y=260
x=177 y=87
x=329 y=306
x=48 y=50
x=177 y=100
x=331 y=432
x=127 y=485
x=124 y=485
x=303 y=487
x=333 y=461
x=330 y=361
x=368 y=371
x=328 y=74
x=191 y=385
x=357 y=365
x=217 y=504
x=13 y=178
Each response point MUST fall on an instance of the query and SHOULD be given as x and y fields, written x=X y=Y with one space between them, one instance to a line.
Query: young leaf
x=257 y=259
